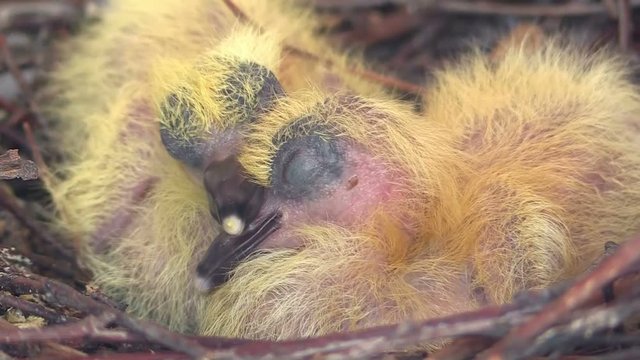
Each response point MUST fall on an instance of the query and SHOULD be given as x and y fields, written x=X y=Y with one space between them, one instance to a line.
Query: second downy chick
x=149 y=56
x=521 y=169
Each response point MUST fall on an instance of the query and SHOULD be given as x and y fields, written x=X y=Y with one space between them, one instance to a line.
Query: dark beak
x=227 y=251
x=235 y=202
x=231 y=194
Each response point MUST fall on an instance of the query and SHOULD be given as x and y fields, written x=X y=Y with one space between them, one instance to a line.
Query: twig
x=573 y=8
x=64 y=269
x=374 y=28
x=61 y=294
x=7 y=57
x=35 y=151
x=584 y=324
x=237 y=12
x=18 y=139
x=493 y=321
x=17 y=115
x=12 y=167
x=8 y=202
x=138 y=356
x=36 y=13
x=490 y=322
x=624 y=24
x=463 y=348
x=353 y=4
x=387 y=81
x=89 y=327
x=94 y=327
x=8 y=106
x=32 y=308
x=53 y=350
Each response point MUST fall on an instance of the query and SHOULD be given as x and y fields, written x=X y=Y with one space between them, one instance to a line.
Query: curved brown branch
x=489 y=323
x=32 y=308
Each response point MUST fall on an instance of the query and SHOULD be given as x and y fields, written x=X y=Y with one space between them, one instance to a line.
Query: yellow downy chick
x=150 y=57
x=519 y=172
x=343 y=209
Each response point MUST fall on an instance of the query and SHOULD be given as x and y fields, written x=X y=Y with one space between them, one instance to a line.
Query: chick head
x=312 y=159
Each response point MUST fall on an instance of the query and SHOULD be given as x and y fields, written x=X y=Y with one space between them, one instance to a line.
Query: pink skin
x=366 y=184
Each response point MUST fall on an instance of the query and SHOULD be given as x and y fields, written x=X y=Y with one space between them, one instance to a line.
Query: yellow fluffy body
x=514 y=177
x=107 y=96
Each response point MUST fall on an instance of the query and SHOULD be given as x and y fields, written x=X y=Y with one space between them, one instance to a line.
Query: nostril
x=352 y=182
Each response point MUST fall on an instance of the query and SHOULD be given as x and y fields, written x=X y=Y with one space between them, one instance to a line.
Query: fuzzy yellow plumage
x=518 y=172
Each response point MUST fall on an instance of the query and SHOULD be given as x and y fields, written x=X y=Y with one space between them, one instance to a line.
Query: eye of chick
x=304 y=167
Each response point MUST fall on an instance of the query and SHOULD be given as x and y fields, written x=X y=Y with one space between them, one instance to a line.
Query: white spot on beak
x=233 y=225
x=202 y=284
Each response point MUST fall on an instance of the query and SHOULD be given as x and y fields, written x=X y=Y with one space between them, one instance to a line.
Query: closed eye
x=306 y=166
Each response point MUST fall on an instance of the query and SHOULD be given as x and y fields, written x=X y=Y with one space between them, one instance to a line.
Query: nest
x=48 y=310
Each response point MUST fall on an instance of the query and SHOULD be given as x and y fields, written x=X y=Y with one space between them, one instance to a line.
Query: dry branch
x=14 y=167
x=573 y=323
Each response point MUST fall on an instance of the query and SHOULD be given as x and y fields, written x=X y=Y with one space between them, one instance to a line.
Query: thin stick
x=32 y=308
x=8 y=202
x=35 y=152
x=7 y=57
x=624 y=24
x=387 y=81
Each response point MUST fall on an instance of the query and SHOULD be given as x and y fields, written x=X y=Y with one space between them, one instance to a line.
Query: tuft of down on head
x=205 y=104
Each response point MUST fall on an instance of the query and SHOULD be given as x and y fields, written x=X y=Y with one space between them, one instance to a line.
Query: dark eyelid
x=174 y=137
x=246 y=91
x=307 y=166
x=263 y=83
